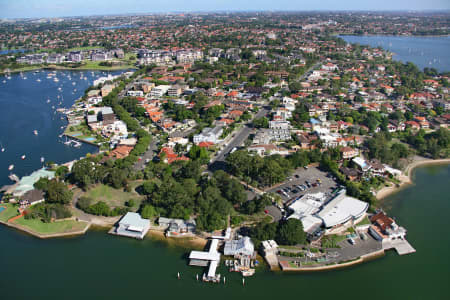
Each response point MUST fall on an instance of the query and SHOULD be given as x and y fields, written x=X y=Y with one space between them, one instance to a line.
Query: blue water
x=432 y=52
x=2 y=52
x=24 y=108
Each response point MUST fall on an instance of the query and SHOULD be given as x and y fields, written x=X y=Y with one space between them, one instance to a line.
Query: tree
x=57 y=192
x=148 y=212
x=291 y=232
x=62 y=171
x=262 y=122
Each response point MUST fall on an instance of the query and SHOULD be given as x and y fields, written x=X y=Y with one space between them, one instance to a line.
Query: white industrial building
x=341 y=209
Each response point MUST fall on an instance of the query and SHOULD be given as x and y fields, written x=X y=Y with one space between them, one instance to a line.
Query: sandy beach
x=405 y=178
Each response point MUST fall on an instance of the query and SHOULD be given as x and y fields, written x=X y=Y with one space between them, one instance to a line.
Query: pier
x=402 y=246
x=205 y=258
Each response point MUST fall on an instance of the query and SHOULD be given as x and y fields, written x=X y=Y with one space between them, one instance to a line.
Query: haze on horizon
x=65 y=8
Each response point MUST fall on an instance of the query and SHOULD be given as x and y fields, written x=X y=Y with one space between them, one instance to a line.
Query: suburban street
x=149 y=154
x=218 y=162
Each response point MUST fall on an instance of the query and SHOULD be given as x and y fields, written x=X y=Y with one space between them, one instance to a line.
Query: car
x=296 y=176
x=306 y=167
x=314 y=184
x=351 y=241
x=279 y=191
x=295 y=191
x=266 y=211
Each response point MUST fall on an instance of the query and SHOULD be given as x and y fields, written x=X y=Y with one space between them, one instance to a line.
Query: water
x=431 y=52
x=101 y=266
x=24 y=108
x=12 y=51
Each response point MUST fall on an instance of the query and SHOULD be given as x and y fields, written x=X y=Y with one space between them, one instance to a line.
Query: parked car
x=295 y=191
x=296 y=176
x=351 y=241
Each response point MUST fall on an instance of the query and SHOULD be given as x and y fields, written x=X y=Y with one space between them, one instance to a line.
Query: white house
x=209 y=135
x=132 y=225
x=243 y=246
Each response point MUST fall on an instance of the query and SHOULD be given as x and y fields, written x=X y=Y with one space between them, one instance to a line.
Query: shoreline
x=406 y=177
x=360 y=260
x=50 y=235
x=62 y=68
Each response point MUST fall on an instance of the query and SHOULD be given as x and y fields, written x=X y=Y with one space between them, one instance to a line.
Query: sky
x=61 y=8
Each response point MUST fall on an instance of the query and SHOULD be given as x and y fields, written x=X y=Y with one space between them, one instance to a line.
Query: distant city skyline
x=65 y=8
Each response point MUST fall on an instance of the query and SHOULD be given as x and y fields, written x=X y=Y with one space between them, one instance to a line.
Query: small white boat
x=3 y=149
x=48 y=100
x=11 y=167
x=77 y=144
x=35 y=132
x=23 y=157
x=42 y=159
x=38 y=80
x=55 y=79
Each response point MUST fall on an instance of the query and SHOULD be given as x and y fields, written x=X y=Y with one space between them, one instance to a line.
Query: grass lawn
x=9 y=212
x=49 y=228
x=113 y=197
x=364 y=221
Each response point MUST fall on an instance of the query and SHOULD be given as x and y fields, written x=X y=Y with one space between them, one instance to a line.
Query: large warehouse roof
x=341 y=209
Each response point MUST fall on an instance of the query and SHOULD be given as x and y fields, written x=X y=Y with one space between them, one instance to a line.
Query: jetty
x=402 y=246
x=205 y=258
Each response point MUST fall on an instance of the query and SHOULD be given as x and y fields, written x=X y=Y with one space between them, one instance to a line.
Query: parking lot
x=361 y=247
x=302 y=181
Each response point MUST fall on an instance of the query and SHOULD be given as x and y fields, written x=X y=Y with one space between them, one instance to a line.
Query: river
x=432 y=52
x=24 y=108
x=101 y=266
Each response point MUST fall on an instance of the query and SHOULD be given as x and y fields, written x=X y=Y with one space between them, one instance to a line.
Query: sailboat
x=42 y=159
x=35 y=132
x=11 y=167
x=23 y=157
x=2 y=148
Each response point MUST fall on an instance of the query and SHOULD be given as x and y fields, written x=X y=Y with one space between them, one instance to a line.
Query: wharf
x=401 y=246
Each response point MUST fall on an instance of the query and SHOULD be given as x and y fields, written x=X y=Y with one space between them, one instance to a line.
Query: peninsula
x=262 y=134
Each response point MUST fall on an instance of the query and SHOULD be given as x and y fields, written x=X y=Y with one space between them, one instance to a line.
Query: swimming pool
x=89 y=139
x=76 y=134
x=2 y=208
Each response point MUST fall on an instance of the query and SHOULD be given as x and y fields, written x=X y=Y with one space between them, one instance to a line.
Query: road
x=218 y=162
x=140 y=164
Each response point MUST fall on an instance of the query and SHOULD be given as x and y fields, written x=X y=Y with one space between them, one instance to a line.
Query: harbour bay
x=431 y=52
x=99 y=265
